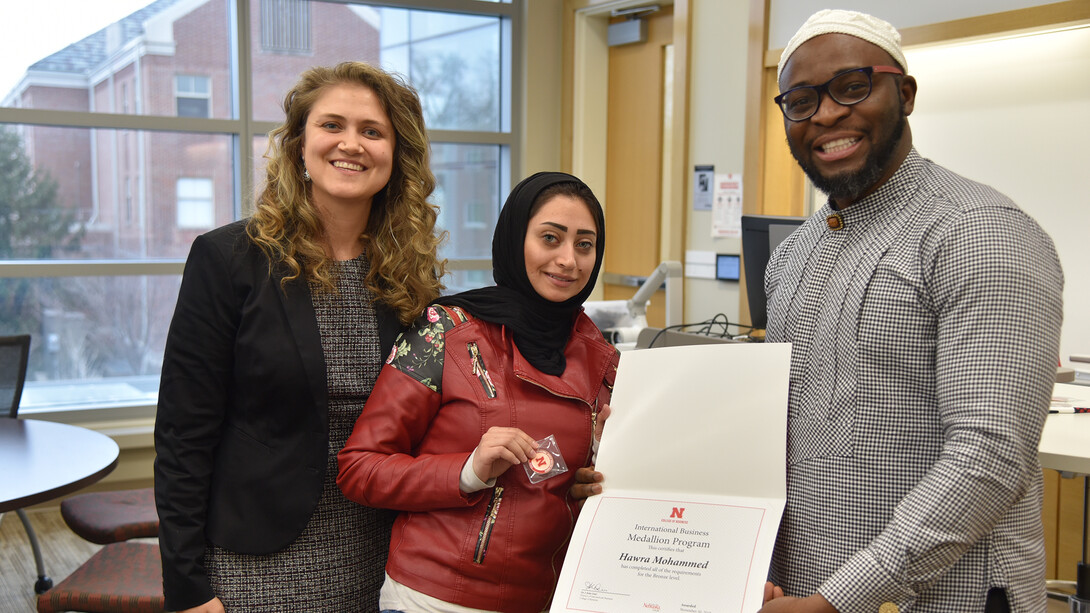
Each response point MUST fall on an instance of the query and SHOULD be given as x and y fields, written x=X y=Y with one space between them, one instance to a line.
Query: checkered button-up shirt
x=924 y=333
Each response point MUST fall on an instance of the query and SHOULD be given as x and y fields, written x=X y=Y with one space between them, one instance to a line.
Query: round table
x=43 y=460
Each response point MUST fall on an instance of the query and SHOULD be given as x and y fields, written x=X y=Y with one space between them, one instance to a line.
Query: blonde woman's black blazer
x=241 y=433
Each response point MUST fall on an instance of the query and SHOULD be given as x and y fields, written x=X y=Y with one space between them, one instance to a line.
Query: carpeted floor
x=62 y=553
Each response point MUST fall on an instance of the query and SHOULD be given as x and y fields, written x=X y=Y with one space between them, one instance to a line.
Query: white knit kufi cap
x=859 y=25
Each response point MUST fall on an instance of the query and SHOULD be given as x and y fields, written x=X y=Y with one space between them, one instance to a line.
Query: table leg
x=43 y=583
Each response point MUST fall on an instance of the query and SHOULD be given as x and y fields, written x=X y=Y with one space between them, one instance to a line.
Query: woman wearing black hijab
x=474 y=389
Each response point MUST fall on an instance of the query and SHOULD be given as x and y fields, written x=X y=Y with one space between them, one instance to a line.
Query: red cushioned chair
x=112 y=517
x=122 y=577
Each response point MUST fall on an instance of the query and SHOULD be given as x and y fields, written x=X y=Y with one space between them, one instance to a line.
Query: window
x=195 y=207
x=477 y=214
x=193 y=96
x=122 y=157
x=128 y=200
x=285 y=26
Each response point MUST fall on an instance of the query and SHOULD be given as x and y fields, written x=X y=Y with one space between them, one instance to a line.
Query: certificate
x=694 y=459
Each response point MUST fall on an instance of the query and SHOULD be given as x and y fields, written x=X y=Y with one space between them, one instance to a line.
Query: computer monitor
x=760 y=236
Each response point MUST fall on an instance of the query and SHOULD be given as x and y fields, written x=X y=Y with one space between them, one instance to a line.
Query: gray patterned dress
x=337 y=563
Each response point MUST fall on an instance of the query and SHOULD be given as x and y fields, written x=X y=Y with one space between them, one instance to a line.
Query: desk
x=44 y=460
x=1065 y=440
x=1065 y=446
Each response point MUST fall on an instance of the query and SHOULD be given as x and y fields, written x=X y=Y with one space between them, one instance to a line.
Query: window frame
x=191 y=95
x=243 y=129
x=179 y=199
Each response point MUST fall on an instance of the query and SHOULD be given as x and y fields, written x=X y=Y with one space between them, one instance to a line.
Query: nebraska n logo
x=677 y=512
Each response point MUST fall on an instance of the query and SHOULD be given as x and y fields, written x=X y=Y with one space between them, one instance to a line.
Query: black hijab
x=540 y=328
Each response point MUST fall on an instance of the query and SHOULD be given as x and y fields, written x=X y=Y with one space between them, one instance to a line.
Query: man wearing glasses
x=924 y=312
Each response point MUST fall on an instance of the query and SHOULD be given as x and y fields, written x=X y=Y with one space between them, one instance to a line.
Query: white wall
x=1015 y=114
x=785 y=16
x=717 y=131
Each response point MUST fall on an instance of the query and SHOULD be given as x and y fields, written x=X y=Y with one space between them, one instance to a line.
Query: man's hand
x=600 y=421
x=588 y=482
x=776 y=602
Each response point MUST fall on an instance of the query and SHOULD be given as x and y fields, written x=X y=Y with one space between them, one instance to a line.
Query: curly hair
x=400 y=237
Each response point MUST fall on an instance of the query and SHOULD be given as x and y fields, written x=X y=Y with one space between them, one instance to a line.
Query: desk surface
x=1065 y=441
x=44 y=460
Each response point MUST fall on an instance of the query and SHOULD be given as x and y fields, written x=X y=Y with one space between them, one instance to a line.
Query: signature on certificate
x=594 y=591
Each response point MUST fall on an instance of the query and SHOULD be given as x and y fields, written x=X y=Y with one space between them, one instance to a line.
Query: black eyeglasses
x=847 y=88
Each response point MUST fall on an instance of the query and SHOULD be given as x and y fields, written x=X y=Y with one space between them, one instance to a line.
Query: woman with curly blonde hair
x=288 y=227
x=281 y=327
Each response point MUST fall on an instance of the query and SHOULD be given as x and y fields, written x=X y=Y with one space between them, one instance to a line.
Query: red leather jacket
x=498 y=549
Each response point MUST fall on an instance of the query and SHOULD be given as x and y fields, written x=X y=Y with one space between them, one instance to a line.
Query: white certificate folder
x=694 y=458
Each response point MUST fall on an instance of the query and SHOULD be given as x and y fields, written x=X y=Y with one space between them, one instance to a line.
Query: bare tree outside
x=33 y=225
x=457 y=95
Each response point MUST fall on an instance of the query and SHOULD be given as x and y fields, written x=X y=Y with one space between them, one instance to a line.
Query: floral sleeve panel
x=418 y=351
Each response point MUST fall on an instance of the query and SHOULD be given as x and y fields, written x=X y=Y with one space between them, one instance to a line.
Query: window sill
x=122 y=408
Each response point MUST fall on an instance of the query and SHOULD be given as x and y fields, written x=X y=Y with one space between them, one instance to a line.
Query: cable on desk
x=719 y=319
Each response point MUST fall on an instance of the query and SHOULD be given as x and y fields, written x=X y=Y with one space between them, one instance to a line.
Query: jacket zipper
x=593 y=422
x=552 y=561
x=558 y=395
x=485 y=534
x=479 y=370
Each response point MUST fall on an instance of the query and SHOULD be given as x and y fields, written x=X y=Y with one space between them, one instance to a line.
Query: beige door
x=634 y=159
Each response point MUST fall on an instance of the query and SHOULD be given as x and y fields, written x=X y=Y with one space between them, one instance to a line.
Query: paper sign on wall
x=703 y=188
x=727 y=206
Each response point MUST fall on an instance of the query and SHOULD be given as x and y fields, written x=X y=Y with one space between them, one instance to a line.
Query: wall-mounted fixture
x=633 y=29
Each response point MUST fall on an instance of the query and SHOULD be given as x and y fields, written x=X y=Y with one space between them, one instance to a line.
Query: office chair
x=122 y=577
x=14 y=354
x=112 y=517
